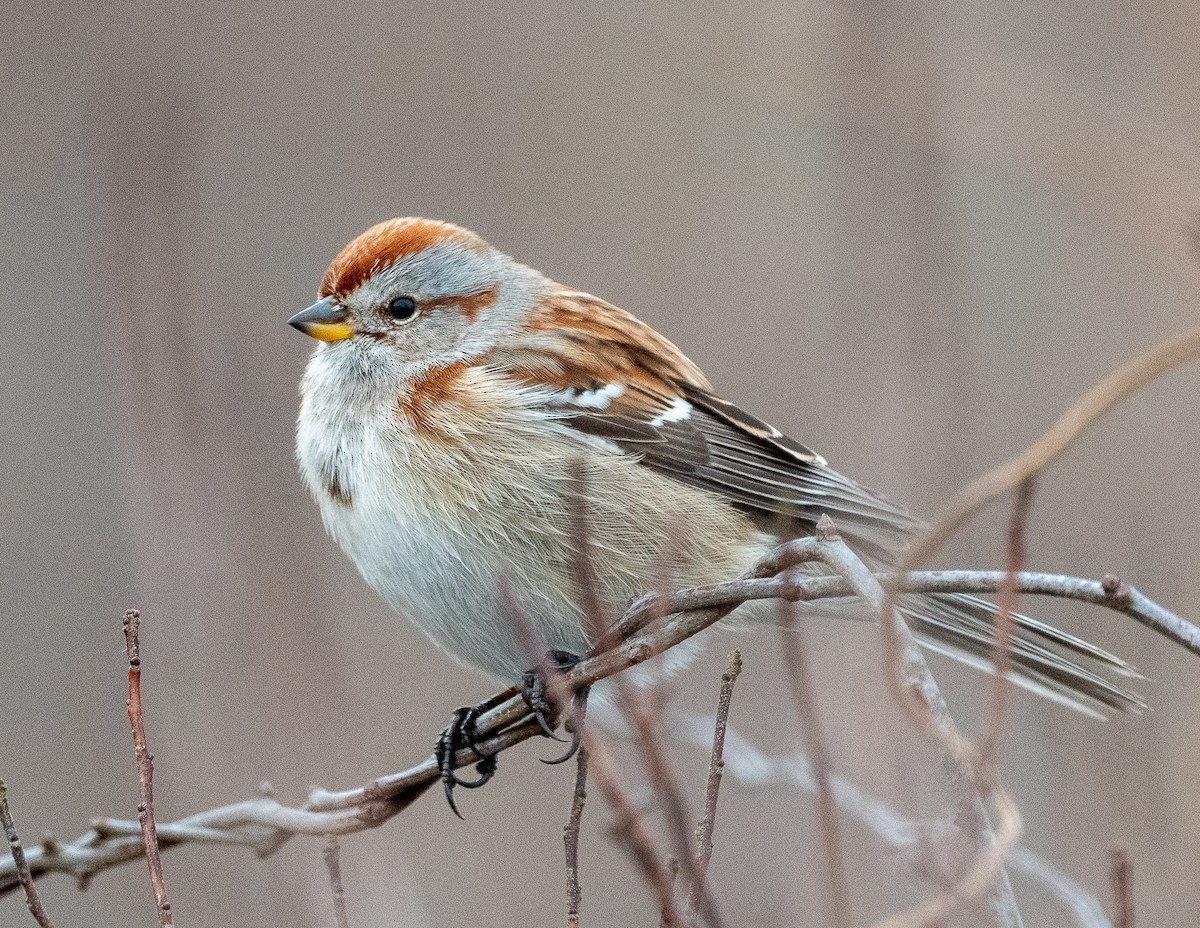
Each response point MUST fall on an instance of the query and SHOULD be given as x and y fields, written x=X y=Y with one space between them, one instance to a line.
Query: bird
x=455 y=395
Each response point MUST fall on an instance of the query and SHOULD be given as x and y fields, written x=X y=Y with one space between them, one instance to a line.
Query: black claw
x=536 y=692
x=579 y=703
x=458 y=734
x=486 y=769
x=448 y=789
x=461 y=732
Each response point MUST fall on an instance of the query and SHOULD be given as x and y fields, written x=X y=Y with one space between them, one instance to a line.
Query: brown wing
x=700 y=439
x=609 y=376
x=615 y=378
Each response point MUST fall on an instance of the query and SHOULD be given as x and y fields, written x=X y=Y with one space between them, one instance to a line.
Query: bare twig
x=264 y=824
x=1117 y=386
x=571 y=838
x=1122 y=383
x=817 y=749
x=716 y=769
x=636 y=702
x=898 y=646
x=333 y=863
x=595 y=611
x=1006 y=608
x=643 y=706
x=145 y=767
x=628 y=827
x=753 y=769
x=1121 y=874
x=32 y=899
x=986 y=875
x=665 y=918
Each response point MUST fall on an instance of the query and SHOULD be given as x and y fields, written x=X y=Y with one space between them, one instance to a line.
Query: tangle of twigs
x=263 y=823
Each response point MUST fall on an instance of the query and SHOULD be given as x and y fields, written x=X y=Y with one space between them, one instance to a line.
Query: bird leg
x=535 y=689
x=460 y=734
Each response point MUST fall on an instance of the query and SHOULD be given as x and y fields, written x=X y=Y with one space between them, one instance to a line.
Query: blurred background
x=907 y=233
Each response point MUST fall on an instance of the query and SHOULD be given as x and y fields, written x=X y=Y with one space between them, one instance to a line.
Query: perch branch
x=264 y=823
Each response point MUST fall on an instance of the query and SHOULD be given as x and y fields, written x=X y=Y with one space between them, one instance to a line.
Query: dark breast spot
x=338 y=488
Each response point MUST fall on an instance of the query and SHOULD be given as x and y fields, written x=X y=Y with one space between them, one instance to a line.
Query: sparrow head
x=419 y=292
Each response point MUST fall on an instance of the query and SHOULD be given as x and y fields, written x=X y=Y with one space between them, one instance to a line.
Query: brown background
x=907 y=233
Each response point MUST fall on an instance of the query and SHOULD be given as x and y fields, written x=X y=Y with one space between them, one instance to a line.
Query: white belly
x=439 y=528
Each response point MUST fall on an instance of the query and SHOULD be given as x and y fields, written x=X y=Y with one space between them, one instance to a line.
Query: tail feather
x=1044 y=660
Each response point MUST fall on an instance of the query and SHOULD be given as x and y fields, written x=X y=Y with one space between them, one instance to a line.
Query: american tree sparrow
x=445 y=411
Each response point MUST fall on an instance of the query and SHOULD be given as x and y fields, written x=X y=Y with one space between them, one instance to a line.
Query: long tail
x=1044 y=660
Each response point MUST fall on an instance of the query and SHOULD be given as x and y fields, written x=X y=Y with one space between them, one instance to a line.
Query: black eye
x=403 y=307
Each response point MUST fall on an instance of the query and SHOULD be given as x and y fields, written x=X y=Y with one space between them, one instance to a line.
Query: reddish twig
x=664 y=919
x=641 y=703
x=571 y=837
x=1121 y=874
x=643 y=707
x=32 y=899
x=817 y=749
x=145 y=767
x=986 y=873
x=1129 y=378
x=596 y=617
x=1006 y=608
x=716 y=770
x=333 y=863
x=629 y=828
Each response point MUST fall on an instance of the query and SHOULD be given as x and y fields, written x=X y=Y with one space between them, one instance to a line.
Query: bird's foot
x=460 y=734
x=536 y=691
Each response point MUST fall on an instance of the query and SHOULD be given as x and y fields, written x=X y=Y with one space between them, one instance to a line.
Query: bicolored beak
x=325 y=321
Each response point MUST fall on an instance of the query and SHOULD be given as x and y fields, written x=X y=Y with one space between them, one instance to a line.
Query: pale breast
x=440 y=509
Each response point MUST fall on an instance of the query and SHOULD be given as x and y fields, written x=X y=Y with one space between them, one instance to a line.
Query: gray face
x=446 y=303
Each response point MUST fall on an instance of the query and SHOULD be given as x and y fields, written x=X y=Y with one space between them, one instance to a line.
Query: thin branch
x=643 y=706
x=986 y=875
x=712 y=791
x=32 y=899
x=333 y=863
x=1006 y=609
x=596 y=615
x=571 y=838
x=265 y=824
x=751 y=768
x=817 y=749
x=1121 y=874
x=665 y=918
x=1132 y=376
x=145 y=767
x=1122 y=383
x=634 y=700
x=628 y=827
